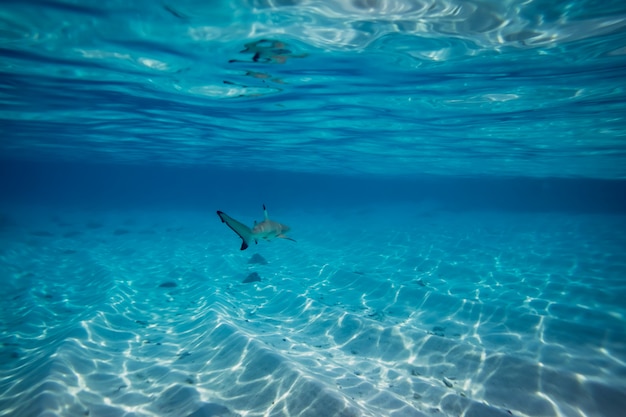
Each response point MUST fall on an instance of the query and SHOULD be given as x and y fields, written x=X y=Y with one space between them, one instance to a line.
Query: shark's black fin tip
x=219 y=213
x=264 y=207
x=244 y=246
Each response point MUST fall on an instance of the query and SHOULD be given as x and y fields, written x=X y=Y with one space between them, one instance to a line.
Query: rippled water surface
x=452 y=174
x=532 y=88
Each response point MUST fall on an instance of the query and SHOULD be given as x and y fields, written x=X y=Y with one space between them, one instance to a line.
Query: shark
x=267 y=229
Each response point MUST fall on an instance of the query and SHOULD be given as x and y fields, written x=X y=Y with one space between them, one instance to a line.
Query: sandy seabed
x=389 y=311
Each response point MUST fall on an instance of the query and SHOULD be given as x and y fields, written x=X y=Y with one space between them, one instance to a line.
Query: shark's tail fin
x=243 y=231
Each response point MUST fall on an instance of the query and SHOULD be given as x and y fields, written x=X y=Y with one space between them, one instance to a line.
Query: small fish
x=267 y=229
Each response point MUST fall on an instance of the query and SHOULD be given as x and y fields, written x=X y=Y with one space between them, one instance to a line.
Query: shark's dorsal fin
x=265 y=213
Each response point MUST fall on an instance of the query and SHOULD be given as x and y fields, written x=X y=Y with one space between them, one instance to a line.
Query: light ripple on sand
x=470 y=315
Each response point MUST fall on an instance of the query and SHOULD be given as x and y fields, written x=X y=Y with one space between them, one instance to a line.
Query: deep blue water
x=453 y=174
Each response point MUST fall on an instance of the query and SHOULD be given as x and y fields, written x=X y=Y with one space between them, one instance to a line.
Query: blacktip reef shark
x=267 y=229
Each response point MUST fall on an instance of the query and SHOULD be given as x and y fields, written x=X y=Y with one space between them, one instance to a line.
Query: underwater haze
x=301 y=208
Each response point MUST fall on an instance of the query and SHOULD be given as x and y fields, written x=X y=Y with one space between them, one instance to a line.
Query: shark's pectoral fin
x=243 y=231
x=286 y=237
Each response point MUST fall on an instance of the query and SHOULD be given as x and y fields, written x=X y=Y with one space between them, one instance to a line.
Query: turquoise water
x=453 y=175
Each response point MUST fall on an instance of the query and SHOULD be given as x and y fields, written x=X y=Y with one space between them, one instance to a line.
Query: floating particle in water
x=376 y=315
x=120 y=388
x=175 y=13
x=439 y=331
x=253 y=277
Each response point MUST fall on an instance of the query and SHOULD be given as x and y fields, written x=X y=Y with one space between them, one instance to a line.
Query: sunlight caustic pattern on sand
x=106 y=314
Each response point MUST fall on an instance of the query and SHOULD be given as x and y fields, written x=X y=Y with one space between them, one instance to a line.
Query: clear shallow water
x=487 y=314
x=452 y=172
